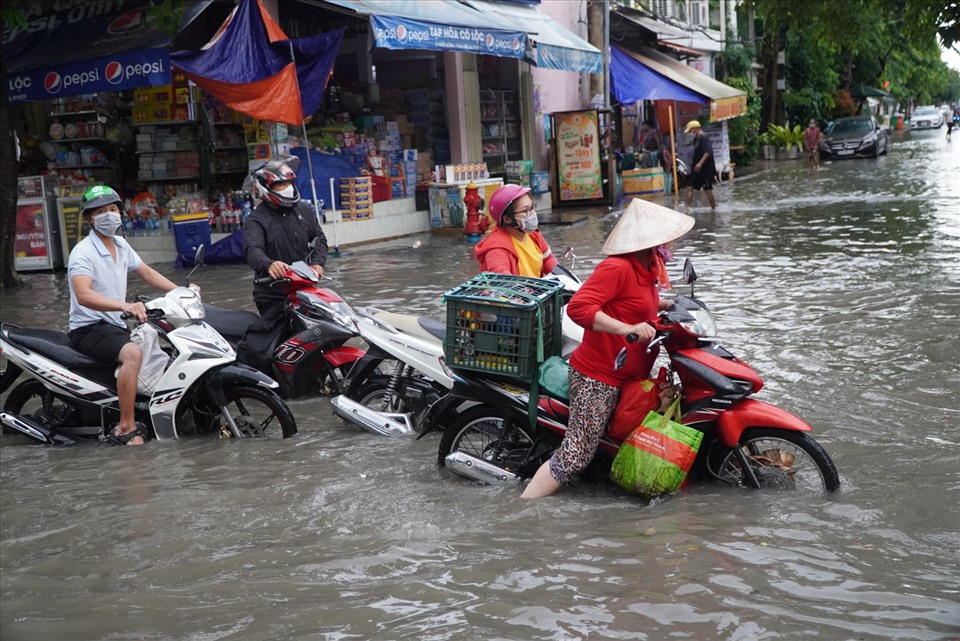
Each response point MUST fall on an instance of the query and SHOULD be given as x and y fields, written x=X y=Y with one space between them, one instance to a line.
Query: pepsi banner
x=391 y=32
x=139 y=68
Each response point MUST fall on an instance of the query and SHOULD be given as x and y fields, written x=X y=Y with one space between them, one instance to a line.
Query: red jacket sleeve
x=496 y=260
x=595 y=292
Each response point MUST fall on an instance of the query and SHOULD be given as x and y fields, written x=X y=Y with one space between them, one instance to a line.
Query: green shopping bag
x=655 y=458
x=554 y=376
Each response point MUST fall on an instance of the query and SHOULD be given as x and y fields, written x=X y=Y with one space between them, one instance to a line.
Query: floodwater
x=840 y=287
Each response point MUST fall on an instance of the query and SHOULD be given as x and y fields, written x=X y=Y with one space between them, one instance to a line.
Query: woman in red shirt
x=515 y=246
x=618 y=299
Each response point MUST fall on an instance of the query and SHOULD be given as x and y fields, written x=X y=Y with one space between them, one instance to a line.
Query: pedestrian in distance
x=97 y=275
x=516 y=245
x=618 y=299
x=703 y=173
x=812 y=138
x=650 y=145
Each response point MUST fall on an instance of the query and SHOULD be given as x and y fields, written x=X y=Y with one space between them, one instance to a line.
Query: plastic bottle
x=153 y=224
x=128 y=230
x=139 y=225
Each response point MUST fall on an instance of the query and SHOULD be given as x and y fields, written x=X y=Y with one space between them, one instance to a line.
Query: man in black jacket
x=276 y=234
x=280 y=230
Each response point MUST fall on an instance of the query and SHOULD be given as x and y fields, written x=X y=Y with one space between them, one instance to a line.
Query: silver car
x=926 y=118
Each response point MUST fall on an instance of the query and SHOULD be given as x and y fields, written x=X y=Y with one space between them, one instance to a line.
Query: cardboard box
x=641 y=182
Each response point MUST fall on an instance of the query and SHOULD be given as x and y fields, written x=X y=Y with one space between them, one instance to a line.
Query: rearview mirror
x=689 y=274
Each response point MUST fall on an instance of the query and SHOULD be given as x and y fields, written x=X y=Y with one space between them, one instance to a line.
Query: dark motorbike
x=747 y=443
x=308 y=356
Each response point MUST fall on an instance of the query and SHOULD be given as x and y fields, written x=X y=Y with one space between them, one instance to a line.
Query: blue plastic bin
x=191 y=234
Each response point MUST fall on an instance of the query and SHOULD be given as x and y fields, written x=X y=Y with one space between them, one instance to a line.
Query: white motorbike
x=69 y=396
x=390 y=390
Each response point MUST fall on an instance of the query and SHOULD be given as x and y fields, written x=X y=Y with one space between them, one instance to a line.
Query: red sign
x=30 y=244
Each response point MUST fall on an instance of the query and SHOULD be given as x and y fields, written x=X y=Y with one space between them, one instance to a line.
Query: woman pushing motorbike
x=617 y=300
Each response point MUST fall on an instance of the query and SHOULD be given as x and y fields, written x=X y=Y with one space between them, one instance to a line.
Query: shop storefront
x=674 y=94
x=429 y=92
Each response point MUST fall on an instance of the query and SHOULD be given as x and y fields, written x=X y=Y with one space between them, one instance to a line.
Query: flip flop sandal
x=113 y=438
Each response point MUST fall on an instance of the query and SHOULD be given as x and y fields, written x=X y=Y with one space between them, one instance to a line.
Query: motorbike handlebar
x=632 y=338
x=151 y=313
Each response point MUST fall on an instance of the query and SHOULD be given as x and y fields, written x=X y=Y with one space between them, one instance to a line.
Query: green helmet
x=98 y=197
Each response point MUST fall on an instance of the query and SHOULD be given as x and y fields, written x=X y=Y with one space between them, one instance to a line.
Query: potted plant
x=769 y=145
x=794 y=139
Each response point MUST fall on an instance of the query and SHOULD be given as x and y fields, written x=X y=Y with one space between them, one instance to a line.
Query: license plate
x=845 y=152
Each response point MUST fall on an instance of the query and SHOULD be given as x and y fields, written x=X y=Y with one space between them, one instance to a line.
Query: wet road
x=840 y=287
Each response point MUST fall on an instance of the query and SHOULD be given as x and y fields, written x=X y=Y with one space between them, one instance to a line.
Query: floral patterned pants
x=591 y=405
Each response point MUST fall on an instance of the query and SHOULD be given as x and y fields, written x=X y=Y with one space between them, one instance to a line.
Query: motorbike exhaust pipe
x=477 y=469
x=383 y=423
x=32 y=429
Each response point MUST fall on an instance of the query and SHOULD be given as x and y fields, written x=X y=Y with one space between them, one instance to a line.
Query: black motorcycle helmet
x=277 y=169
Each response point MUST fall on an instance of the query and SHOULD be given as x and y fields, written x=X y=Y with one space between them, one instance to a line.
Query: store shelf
x=505 y=145
x=70 y=114
x=168 y=178
x=165 y=123
x=84 y=166
x=230 y=148
x=163 y=151
x=66 y=140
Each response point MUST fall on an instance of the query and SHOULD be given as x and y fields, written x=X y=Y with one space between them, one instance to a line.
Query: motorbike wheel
x=480 y=432
x=258 y=412
x=374 y=395
x=780 y=459
x=26 y=399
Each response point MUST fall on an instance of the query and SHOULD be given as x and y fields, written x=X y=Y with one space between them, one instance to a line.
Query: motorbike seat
x=54 y=345
x=229 y=322
x=419 y=326
x=433 y=327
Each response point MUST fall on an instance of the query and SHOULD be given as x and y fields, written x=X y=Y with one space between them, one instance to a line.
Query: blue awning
x=63 y=52
x=554 y=46
x=652 y=75
x=632 y=81
x=437 y=25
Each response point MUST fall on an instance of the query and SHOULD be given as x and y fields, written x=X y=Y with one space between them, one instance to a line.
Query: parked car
x=928 y=117
x=855 y=137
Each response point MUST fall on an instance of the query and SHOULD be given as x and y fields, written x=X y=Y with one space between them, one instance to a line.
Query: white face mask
x=530 y=223
x=107 y=223
x=286 y=192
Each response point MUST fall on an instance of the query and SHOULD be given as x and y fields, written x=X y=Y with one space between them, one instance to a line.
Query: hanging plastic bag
x=155 y=360
x=638 y=397
x=656 y=457
x=555 y=376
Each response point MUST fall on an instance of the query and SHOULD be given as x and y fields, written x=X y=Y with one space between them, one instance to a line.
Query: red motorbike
x=747 y=443
x=308 y=356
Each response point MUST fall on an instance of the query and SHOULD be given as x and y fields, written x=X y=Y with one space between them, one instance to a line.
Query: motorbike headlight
x=192 y=305
x=702 y=323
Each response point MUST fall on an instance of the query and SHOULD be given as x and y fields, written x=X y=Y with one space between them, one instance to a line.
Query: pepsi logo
x=128 y=22
x=401 y=32
x=114 y=72
x=52 y=83
x=489 y=40
x=516 y=44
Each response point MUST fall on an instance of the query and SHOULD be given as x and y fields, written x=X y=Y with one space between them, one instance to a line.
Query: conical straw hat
x=644 y=225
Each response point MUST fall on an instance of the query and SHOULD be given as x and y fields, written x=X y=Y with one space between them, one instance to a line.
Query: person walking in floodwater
x=811 y=142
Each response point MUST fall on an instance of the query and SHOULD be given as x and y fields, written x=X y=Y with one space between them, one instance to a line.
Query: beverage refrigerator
x=37 y=243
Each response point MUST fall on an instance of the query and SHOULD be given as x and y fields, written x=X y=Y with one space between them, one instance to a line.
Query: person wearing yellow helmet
x=703 y=173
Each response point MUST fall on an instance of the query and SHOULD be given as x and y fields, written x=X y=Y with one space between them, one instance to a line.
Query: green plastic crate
x=495 y=321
